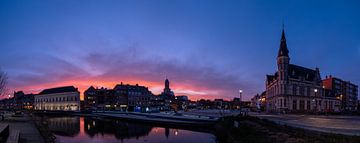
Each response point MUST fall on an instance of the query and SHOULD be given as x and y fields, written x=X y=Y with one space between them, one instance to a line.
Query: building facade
x=23 y=101
x=138 y=97
x=104 y=99
x=293 y=88
x=258 y=102
x=65 y=98
x=345 y=91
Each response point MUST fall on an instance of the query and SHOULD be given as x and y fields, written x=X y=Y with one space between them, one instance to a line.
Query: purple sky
x=207 y=49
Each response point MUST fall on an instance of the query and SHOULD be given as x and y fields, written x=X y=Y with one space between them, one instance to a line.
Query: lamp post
x=240 y=91
x=315 y=90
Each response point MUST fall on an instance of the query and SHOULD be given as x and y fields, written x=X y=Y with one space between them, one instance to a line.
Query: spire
x=283 y=50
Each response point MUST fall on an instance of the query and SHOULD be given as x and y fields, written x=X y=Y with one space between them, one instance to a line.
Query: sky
x=207 y=49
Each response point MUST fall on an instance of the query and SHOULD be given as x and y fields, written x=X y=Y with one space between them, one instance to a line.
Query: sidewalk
x=28 y=132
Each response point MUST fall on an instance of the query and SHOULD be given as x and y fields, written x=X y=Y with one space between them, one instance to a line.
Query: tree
x=3 y=82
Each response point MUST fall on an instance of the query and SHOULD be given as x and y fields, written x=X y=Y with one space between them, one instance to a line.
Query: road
x=348 y=125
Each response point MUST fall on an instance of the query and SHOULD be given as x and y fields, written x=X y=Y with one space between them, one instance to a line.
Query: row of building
x=294 y=88
x=123 y=97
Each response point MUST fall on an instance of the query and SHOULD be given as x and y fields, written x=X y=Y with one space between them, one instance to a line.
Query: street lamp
x=240 y=91
x=315 y=90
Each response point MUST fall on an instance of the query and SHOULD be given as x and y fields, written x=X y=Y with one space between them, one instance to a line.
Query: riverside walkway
x=28 y=132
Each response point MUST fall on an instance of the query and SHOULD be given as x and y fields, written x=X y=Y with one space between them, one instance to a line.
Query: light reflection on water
x=89 y=130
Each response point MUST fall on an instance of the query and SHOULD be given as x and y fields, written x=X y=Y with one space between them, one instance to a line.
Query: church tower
x=283 y=59
x=167 y=86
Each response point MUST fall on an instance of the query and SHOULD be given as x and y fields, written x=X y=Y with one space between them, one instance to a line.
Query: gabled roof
x=296 y=71
x=59 y=90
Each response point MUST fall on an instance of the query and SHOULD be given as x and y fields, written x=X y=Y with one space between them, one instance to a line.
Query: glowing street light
x=316 y=103
x=240 y=91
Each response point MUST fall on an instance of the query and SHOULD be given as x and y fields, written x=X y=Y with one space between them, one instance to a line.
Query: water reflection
x=86 y=129
x=121 y=130
x=64 y=126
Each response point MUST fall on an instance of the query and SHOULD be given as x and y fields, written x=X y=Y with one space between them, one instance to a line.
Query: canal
x=75 y=129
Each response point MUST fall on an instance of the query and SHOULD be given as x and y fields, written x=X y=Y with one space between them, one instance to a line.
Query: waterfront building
x=23 y=101
x=167 y=93
x=65 y=98
x=138 y=97
x=294 y=88
x=258 y=102
x=204 y=104
x=183 y=102
x=168 y=96
x=124 y=97
x=346 y=91
x=104 y=99
x=219 y=103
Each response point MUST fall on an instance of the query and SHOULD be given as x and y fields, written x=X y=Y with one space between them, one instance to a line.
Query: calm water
x=91 y=130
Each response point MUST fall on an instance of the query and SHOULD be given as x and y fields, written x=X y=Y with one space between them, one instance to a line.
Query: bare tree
x=3 y=82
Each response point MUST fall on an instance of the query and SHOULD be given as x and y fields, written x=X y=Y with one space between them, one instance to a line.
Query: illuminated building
x=294 y=88
x=346 y=91
x=138 y=97
x=104 y=99
x=65 y=98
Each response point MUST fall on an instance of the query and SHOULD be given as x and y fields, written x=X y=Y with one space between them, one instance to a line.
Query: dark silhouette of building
x=138 y=97
x=23 y=101
x=121 y=97
x=103 y=99
x=167 y=93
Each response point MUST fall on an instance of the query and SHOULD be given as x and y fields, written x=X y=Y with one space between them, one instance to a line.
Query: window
x=294 y=89
x=308 y=91
x=294 y=105
x=302 y=105
x=308 y=105
x=301 y=90
x=284 y=102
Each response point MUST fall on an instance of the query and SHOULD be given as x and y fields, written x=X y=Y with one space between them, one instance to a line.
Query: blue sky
x=208 y=49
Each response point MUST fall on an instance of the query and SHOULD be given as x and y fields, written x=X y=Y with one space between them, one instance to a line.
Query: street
x=348 y=125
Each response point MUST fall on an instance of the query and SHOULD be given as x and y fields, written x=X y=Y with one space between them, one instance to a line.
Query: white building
x=296 y=89
x=60 y=99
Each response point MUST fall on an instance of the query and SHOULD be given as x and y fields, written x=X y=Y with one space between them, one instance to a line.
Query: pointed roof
x=283 y=50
